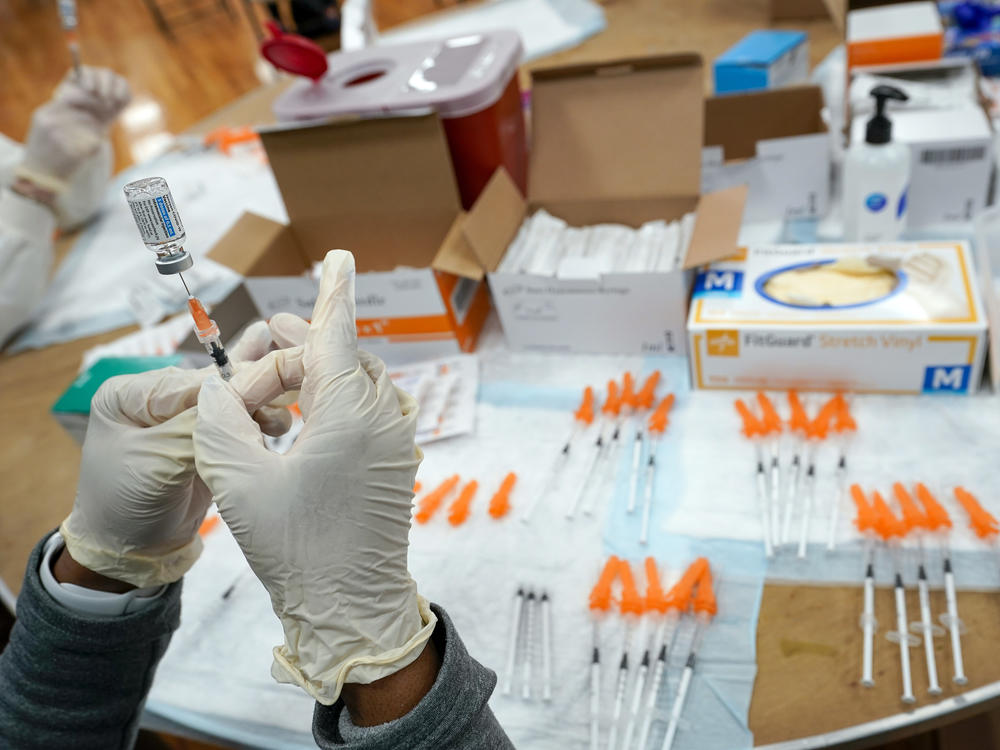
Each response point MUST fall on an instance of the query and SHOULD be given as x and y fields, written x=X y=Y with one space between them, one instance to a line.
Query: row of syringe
x=622 y=405
x=919 y=519
x=693 y=592
x=780 y=498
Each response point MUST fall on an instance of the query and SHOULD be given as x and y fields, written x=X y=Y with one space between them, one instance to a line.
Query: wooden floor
x=175 y=81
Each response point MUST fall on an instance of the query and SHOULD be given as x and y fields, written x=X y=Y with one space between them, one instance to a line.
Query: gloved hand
x=139 y=502
x=71 y=126
x=325 y=527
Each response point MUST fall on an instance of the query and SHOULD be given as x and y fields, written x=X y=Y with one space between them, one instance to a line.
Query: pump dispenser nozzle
x=880 y=127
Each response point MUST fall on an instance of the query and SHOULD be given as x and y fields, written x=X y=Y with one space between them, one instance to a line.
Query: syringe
x=67 y=16
x=208 y=334
x=705 y=608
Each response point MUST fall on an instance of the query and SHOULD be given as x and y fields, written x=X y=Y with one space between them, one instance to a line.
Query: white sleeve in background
x=11 y=154
x=26 y=229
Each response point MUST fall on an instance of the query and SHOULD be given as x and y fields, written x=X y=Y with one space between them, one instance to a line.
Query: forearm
x=73 y=680
x=452 y=713
x=26 y=231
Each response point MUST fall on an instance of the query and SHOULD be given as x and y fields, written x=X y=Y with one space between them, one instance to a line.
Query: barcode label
x=461 y=298
x=952 y=155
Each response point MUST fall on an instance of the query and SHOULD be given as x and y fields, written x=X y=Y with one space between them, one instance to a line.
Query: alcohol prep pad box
x=888 y=318
x=763 y=60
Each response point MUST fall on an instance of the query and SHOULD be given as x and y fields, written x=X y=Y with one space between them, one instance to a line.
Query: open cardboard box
x=612 y=142
x=777 y=144
x=384 y=189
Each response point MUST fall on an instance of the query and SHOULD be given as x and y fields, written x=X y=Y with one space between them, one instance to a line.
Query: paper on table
x=446 y=391
x=147 y=342
x=91 y=289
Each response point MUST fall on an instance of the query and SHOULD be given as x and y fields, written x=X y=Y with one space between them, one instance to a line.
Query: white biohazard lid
x=455 y=77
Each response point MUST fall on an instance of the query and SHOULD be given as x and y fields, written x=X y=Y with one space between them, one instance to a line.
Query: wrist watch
x=86 y=601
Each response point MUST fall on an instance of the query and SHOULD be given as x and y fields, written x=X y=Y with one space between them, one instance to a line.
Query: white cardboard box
x=951 y=164
x=927 y=335
x=775 y=143
x=612 y=142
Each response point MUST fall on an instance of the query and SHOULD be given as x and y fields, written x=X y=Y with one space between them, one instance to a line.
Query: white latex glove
x=139 y=502
x=325 y=527
x=70 y=127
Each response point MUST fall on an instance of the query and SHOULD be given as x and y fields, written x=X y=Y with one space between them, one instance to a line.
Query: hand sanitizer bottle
x=876 y=176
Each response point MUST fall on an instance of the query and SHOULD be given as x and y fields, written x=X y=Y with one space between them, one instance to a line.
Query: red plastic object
x=293 y=53
x=482 y=141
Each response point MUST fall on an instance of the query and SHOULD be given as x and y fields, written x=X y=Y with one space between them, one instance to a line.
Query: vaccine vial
x=159 y=223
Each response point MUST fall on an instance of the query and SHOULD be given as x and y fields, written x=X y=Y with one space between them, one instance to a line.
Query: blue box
x=763 y=60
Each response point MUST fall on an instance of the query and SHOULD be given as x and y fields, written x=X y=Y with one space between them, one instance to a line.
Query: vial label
x=157 y=219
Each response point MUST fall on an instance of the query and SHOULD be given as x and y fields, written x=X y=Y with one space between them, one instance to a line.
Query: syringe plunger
x=159 y=223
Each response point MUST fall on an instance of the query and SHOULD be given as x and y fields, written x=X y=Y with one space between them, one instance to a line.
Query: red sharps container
x=470 y=81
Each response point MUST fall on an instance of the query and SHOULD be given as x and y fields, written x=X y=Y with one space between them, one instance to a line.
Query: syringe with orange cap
x=655 y=601
x=753 y=430
x=915 y=522
x=600 y=604
x=609 y=413
x=207 y=332
x=672 y=606
x=844 y=427
x=657 y=425
x=939 y=522
x=773 y=427
x=892 y=530
x=644 y=401
x=583 y=417
x=866 y=522
x=798 y=427
x=68 y=19
x=705 y=607
x=632 y=606
x=816 y=433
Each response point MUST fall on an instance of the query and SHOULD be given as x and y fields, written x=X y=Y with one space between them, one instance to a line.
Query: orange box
x=897 y=33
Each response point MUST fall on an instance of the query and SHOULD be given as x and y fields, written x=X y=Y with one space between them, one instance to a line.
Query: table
x=808 y=640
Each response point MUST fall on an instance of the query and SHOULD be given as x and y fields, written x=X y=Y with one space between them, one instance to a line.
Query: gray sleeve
x=453 y=714
x=80 y=681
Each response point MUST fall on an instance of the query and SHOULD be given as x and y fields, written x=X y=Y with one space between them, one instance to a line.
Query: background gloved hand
x=71 y=126
x=325 y=527
x=139 y=502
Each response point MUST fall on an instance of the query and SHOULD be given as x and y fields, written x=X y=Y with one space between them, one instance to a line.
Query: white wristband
x=86 y=601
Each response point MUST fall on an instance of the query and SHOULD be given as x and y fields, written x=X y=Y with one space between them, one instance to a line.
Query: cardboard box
x=951 y=164
x=613 y=142
x=927 y=334
x=895 y=33
x=763 y=59
x=777 y=144
x=384 y=189
x=72 y=410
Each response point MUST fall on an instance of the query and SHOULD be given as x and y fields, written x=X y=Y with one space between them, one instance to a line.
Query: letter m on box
x=947 y=378
x=718 y=283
